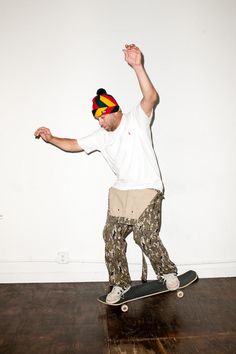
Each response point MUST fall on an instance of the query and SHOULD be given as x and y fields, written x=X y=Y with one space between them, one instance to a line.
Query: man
x=135 y=198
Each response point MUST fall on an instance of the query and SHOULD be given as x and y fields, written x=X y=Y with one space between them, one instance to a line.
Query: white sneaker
x=116 y=293
x=172 y=281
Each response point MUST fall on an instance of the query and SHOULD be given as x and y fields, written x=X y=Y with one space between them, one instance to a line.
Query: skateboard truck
x=125 y=307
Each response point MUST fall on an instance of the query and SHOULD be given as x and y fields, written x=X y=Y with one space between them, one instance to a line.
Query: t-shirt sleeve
x=92 y=142
x=140 y=116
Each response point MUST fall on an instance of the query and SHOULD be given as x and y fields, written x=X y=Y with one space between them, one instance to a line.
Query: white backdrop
x=54 y=56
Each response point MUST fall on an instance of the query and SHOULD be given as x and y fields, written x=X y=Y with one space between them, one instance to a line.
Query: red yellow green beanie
x=104 y=104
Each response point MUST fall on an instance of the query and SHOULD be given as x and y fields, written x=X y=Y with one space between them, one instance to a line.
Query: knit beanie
x=104 y=104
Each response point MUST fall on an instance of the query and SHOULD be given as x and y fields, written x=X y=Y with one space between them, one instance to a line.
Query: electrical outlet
x=62 y=257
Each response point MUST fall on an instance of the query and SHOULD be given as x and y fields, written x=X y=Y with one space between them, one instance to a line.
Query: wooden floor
x=66 y=319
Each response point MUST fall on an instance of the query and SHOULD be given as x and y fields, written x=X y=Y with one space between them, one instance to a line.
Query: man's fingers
x=36 y=134
x=131 y=46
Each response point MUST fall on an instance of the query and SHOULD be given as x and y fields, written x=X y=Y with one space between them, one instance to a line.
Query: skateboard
x=151 y=288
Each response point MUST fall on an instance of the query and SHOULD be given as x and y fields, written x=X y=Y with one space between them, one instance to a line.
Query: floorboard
x=65 y=318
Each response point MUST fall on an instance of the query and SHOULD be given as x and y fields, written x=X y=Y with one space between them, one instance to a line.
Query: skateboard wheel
x=124 y=308
x=180 y=293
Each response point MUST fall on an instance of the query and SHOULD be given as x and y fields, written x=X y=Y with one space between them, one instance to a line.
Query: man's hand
x=133 y=55
x=44 y=133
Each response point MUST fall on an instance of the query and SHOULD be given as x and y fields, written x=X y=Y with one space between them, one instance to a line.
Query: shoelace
x=167 y=277
x=116 y=290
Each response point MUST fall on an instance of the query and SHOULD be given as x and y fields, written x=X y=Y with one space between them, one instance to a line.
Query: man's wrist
x=52 y=140
x=138 y=67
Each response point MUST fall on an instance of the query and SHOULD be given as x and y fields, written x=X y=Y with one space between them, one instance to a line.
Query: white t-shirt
x=128 y=150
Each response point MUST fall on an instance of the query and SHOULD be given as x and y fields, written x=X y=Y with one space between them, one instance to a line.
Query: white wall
x=54 y=55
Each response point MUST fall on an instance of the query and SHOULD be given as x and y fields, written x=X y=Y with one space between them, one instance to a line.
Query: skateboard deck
x=151 y=288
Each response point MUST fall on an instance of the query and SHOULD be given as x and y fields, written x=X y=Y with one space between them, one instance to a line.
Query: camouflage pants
x=146 y=234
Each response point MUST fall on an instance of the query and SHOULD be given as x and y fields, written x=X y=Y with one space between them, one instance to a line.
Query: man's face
x=108 y=121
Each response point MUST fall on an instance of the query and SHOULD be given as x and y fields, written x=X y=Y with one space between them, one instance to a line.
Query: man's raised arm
x=134 y=58
x=68 y=145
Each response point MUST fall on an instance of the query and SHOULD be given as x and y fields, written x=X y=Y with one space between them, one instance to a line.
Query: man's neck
x=119 y=116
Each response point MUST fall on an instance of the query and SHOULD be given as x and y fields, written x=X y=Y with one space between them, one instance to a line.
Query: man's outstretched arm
x=69 y=145
x=134 y=58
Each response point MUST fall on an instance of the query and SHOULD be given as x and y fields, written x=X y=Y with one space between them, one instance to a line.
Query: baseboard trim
x=28 y=271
